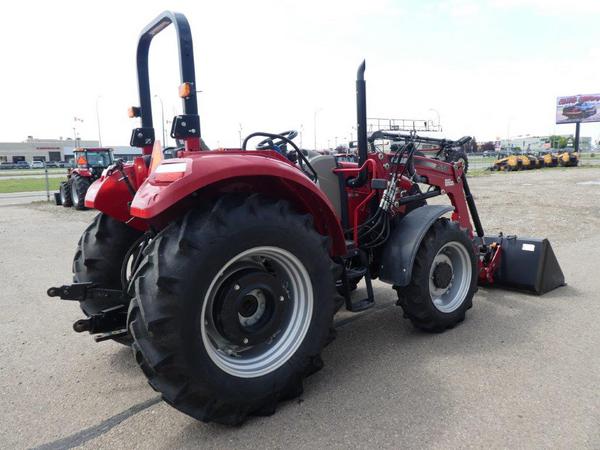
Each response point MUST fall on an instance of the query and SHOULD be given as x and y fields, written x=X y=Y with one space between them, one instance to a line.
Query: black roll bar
x=186 y=62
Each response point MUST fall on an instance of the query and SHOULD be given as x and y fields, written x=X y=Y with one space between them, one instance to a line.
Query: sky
x=489 y=68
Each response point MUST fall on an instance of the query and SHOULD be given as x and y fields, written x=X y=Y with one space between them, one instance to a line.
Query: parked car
x=579 y=110
x=7 y=165
x=23 y=165
x=52 y=164
x=37 y=165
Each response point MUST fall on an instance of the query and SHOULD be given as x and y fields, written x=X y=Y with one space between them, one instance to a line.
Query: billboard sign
x=578 y=108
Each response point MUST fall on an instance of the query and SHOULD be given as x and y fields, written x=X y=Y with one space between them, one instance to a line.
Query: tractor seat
x=328 y=181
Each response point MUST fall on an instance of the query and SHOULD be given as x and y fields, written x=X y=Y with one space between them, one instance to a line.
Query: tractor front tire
x=79 y=188
x=100 y=253
x=65 y=194
x=233 y=306
x=444 y=279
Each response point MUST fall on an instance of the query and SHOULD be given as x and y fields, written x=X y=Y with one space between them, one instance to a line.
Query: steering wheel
x=277 y=144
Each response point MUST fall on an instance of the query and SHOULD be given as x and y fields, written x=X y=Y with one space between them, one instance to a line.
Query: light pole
x=315 y=124
x=98 y=121
x=439 y=125
x=162 y=119
x=75 y=134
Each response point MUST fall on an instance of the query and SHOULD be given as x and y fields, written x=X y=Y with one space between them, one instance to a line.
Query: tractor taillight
x=167 y=173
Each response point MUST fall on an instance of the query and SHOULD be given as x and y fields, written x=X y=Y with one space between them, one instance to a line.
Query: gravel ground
x=520 y=372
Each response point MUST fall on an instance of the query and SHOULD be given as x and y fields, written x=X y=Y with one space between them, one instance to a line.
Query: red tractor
x=223 y=269
x=89 y=164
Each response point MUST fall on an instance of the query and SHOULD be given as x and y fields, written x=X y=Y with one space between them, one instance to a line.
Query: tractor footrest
x=87 y=291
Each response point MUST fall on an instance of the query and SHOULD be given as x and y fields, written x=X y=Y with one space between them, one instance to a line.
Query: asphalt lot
x=520 y=372
x=20 y=198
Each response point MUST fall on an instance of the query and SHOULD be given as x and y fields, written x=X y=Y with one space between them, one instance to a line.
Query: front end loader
x=223 y=269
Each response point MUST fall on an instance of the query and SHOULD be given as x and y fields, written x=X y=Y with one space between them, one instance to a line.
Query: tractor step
x=356 y=273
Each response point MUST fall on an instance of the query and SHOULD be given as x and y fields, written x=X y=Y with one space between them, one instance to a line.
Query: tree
x=558 y=141
x=473 y=145
x=488 y=146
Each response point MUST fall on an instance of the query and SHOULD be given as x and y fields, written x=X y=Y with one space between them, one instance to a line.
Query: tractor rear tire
x=65 y=194
x=100 y=253
x=79 y=188
x=446 y=256
x=192 y=339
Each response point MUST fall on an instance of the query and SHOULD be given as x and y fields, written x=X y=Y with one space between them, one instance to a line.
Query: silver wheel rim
x=260 y=360
x=74 y=195
x=448 y=299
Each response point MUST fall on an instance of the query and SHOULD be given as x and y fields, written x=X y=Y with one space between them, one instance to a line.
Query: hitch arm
x=109 y=323
x=86 y=291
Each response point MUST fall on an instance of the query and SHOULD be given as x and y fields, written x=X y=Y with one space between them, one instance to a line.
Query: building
x=541 y=143
x=34 y=149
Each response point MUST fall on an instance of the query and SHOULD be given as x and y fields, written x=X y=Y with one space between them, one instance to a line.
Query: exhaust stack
x=361 y=113
x=361 y=125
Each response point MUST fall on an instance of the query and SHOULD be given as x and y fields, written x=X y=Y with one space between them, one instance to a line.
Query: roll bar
x=144 y=136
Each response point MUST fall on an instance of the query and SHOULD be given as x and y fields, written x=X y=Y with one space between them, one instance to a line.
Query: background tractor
x=89 y=164
x=222 y=268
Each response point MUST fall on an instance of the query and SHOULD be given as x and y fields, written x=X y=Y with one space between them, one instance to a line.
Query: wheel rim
x=63 y=198
x=450 y=277
x=74 y=195
x=256 y=312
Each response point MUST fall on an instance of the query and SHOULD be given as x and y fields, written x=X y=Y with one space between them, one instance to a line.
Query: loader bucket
x=527 y=264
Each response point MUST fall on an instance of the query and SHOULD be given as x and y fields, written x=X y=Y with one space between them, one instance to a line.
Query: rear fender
x=209 y=174
x=401 y=248
x=82 y=172
x=110 y=195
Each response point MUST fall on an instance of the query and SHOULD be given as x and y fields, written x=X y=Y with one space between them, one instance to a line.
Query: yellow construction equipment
x=526 y=162
x=536 y=161
x=508 y=163
x=549 y=160
x=568 y=159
